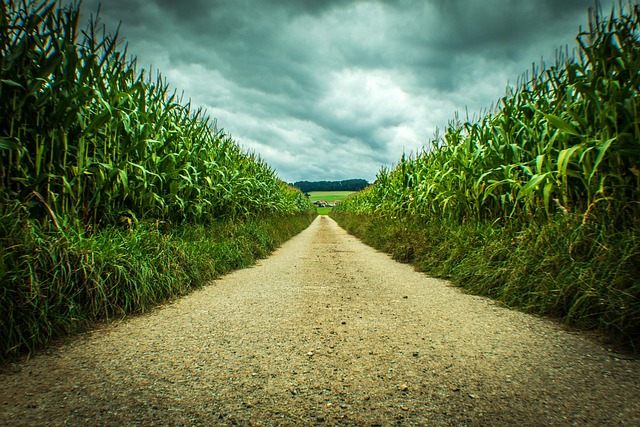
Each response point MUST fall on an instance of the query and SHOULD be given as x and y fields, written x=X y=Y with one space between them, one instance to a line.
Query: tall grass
x=105 y=173
x=57 y=281
x=557 y=165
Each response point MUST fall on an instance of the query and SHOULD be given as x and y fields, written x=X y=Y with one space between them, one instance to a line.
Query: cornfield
x=115 y=195
x=566 y=141
x=562 y=147
x=85 y=137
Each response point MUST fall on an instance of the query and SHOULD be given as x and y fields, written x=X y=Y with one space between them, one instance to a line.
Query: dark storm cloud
x=472 y=25
x=335 y=89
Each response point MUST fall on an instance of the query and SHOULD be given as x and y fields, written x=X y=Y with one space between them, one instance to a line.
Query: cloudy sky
x=331 y=90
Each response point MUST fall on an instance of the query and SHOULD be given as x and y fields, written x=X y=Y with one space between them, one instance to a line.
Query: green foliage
x=329 y=196
x=96 y=140
x=58 y=281
x=565 y=141
x=557 y=165
x=114 y=194
x=345 y=185
x=587 y=276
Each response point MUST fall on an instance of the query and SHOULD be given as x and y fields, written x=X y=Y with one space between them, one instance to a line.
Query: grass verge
x=584 y=274
x=56 y=282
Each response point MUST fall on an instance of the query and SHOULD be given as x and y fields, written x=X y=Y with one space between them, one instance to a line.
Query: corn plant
x=102 y=169
x=97 y=140
x=564 y=141
x=548 y=183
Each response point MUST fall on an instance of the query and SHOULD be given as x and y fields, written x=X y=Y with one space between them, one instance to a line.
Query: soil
x=327 y=331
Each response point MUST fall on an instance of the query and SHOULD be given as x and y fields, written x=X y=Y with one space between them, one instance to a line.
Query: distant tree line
x=345 y=185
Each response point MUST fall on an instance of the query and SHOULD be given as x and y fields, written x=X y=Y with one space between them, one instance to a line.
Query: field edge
x=556 y=270
x=81 y=281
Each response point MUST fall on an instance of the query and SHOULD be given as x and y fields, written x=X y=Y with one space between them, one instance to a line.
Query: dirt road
x=327 y=331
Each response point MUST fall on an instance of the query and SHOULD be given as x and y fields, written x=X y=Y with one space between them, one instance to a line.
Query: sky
x=336 y=89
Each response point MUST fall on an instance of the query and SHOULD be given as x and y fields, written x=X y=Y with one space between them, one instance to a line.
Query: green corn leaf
x=547 y=193
x=564 y=157
x=539 y=163
x=602 y=150
x=11 y=83
x=530 y=187
x=8 y=143
x=561 y=124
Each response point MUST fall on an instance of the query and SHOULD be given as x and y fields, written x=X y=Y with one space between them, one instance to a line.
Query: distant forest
x=346 y=185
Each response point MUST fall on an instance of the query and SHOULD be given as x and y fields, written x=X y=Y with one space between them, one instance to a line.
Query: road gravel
x=326 y=331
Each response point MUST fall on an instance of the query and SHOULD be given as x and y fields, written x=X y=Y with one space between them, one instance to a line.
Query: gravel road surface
x=327 y=331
